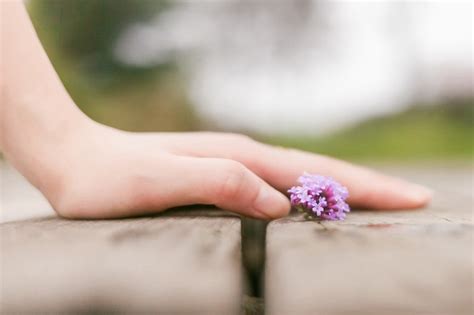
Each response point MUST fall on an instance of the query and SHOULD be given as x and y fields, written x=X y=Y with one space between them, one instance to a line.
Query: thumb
x=231 y=186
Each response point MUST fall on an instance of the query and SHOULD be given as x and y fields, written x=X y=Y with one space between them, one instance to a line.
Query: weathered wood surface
x=161 y=264
x=178 y=263
x=408 y=262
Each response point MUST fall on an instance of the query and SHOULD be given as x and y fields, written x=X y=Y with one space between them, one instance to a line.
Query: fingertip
x=271 y=204
x=418 y=196
x=390 y=193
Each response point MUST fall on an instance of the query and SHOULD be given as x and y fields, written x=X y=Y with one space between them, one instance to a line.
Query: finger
x=281 y=167
x=225 y=183
x=367 y=188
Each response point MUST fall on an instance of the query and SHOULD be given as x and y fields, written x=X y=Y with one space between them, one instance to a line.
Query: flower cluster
x=320 y=197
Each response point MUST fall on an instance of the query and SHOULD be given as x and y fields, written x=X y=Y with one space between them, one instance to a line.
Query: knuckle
x=239 y=138
x=285 y=150
x=233 y=181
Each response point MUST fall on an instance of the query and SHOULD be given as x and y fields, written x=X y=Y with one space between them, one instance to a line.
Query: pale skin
x=88 y=170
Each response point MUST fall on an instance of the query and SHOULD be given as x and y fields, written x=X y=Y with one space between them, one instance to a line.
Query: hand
x=87 y=170
x=107 y=173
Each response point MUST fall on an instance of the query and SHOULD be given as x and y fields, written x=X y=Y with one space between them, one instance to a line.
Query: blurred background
x=387 y=82
x=357 y=80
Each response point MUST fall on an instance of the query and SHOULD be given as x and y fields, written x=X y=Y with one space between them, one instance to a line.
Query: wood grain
x=183 y=261
x=166 y=264
x=407 y=262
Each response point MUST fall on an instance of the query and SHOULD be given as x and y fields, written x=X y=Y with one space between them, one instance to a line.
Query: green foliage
x=79 y=37
x=422 y=132
x=87 y=29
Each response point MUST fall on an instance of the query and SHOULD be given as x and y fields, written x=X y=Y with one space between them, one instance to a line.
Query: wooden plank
x=167 y=264
x=183 y=261
x=409 y=262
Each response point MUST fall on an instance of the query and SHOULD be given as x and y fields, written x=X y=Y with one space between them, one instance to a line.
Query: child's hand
x=87 y=170
x=106 y=173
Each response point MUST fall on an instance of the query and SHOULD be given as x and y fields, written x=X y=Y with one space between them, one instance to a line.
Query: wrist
x=36 y=141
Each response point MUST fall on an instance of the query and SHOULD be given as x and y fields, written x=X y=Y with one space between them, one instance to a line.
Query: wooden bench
x=205 y=261
x=404 y=262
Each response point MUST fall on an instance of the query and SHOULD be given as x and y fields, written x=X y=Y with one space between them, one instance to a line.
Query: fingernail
x=419 y=195
x=271 y=204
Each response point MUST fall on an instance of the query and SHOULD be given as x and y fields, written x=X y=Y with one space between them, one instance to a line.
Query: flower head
x=320 y=197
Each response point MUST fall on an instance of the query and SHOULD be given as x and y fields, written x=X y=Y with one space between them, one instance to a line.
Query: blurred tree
x=80 y=37
x=86 y=30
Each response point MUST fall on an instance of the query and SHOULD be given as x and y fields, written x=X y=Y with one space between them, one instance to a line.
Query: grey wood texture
x=406 y=262
x=162 y=264
x=183 y=261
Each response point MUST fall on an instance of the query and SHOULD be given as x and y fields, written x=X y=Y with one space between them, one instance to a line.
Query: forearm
x=36 y=112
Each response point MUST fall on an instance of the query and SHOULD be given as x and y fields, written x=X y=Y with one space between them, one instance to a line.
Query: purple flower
x=320 y=197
